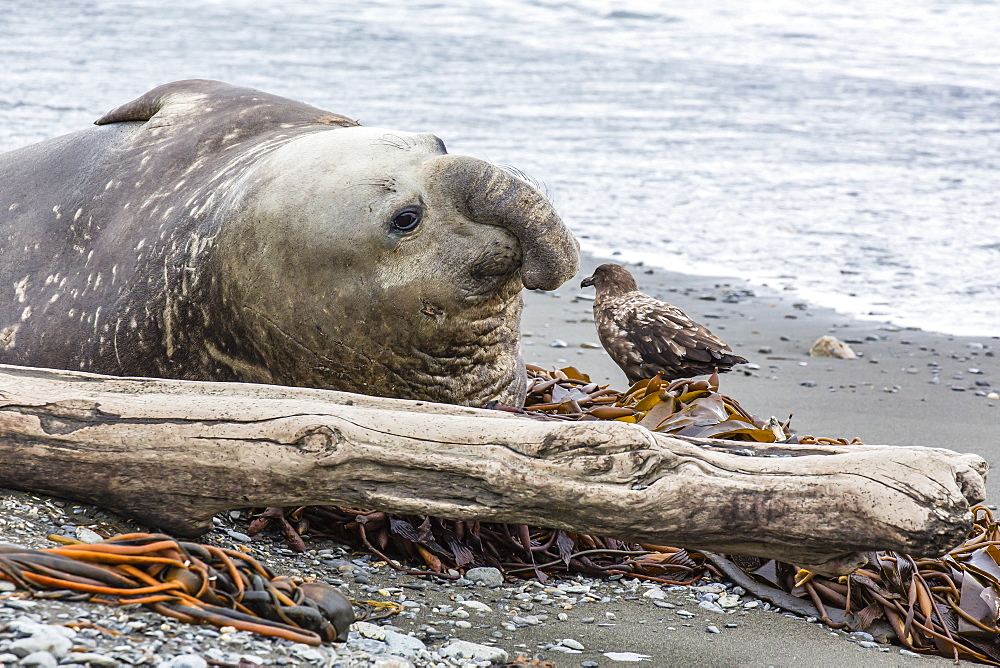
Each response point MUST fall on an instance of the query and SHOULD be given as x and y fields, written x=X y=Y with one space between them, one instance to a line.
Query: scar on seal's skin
x=8 y=337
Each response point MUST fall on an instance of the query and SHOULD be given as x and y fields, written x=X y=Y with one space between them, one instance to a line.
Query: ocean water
x=849 y=151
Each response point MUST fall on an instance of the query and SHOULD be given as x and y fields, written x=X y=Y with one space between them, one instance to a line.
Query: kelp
x=948 y=606
x=684 y=407
x=191 y=582
x=445 y=548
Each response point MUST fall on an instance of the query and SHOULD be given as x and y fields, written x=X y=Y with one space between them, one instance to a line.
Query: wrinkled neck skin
x=467 y=358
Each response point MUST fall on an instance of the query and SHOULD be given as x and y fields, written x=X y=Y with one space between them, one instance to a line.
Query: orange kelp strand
x=166 y=576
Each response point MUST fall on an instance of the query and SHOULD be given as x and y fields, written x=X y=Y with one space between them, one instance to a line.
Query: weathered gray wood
x=173 y=453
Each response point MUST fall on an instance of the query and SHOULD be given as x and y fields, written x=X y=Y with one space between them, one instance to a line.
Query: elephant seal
x=212 y=232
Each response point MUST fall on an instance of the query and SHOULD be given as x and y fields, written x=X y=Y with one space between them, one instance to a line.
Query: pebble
x=478 y=606
x=52 y=643
x=713 y=629
x=407 y=645
x=664 y=604
x=654 y=593
x=486 y=576
x=831 y=346
x=530 y=620
x=868 y=644
x=558 y=343
x=561 y=648
x=40 y=659
x=711 y=588
x=627 y=656
x=685 y=613
x=463 y=649
x=369 y=630
x=571 y=643
x=236 y=535
x=89 y=536
x=710 y=605
x=728 y=601
x=576 y=589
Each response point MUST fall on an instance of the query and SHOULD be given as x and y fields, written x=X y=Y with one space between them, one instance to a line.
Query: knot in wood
x=321 y=438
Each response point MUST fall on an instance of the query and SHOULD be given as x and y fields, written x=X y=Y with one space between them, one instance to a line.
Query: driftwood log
x=173 y=453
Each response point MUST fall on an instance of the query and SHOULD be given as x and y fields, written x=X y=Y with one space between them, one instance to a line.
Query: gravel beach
x=907 y=387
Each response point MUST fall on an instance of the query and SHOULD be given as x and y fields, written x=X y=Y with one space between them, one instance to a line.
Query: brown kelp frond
x=948 y=606
x=445 y=548
x=684 y=407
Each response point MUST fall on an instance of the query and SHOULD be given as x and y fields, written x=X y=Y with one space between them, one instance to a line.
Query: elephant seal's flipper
x=193 y=96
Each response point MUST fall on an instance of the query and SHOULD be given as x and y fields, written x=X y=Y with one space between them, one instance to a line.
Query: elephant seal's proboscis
x=207 y=231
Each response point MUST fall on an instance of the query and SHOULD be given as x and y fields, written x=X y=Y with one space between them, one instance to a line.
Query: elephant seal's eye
x=406 y=220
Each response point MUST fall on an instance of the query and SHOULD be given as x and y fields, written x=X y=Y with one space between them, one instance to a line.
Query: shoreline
x=863 y=312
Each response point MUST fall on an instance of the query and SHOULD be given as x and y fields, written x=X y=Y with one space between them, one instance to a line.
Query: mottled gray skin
x=206 y=231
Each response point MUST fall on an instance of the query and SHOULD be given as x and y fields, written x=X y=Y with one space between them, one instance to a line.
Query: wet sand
x=908 y=387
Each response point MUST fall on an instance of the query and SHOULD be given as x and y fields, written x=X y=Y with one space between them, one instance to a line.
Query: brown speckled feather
x=645 y=336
